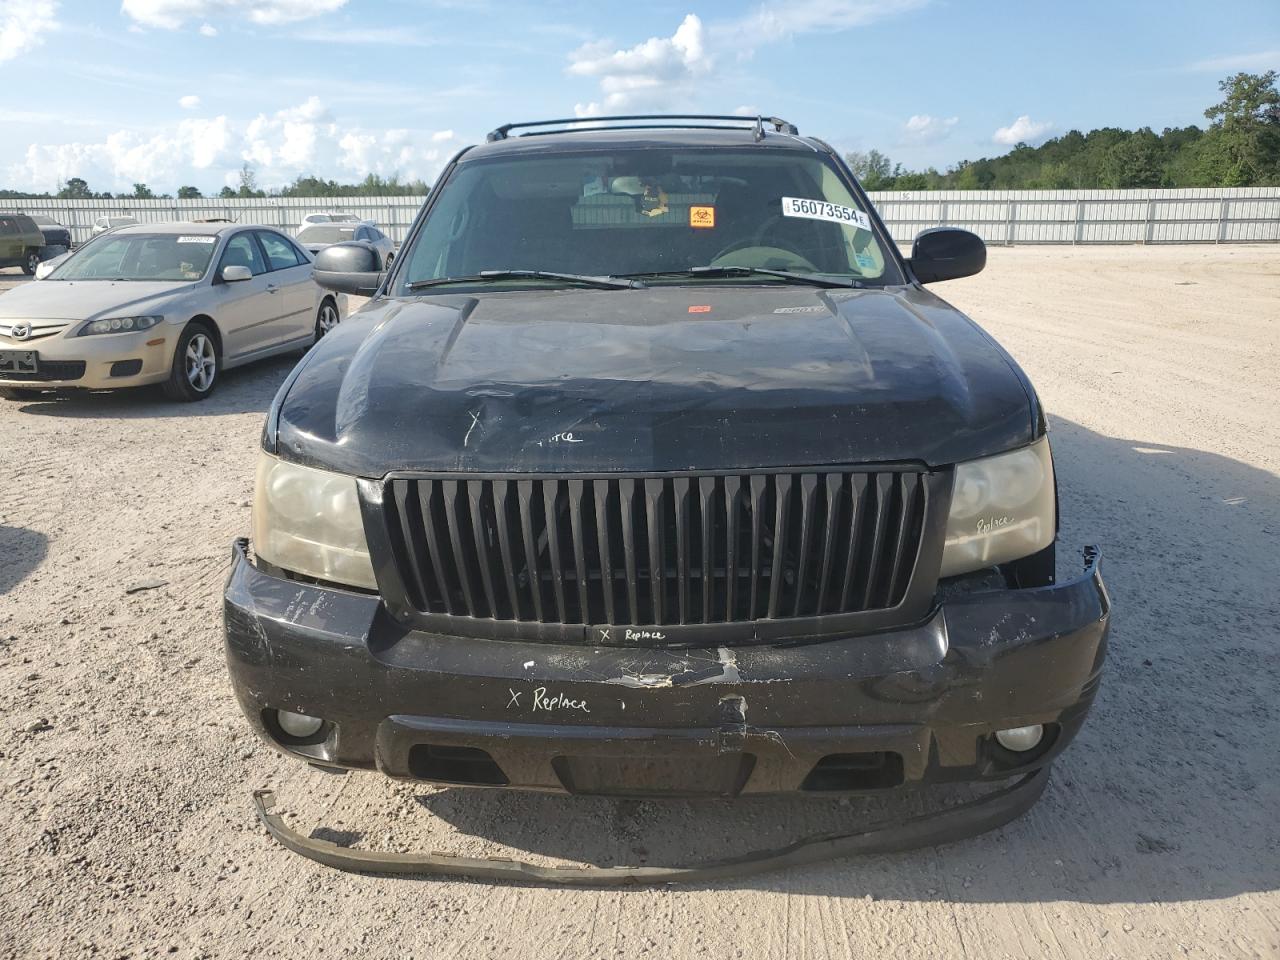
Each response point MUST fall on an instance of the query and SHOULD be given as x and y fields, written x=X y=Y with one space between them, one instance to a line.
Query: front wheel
x=196 y=365
x=326 y=318
x=30 y=263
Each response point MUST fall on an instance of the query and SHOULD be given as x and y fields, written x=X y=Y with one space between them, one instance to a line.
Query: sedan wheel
x=326 y=319
x=202 y=363
x=32 y=261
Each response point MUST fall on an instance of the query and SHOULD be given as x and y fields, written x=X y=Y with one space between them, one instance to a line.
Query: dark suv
x=653 y=469
x=21 y=242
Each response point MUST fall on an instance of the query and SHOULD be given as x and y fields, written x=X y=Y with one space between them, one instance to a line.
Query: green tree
x=142 y=192
x=1242 y=146
x=75 y=189
x=189 y=193
x=873 y=169
x=248 y=182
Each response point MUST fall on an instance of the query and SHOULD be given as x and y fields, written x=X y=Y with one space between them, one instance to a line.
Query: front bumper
x=912 y=705
x=95 y=363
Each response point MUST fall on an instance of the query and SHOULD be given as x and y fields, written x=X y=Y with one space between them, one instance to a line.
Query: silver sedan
x=317 y=236
x=170 y=303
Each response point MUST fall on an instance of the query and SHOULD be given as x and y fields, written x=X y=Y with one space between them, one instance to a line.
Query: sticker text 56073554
x=821 y=210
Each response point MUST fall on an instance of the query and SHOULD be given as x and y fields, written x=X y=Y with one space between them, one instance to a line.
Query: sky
x=178 y=92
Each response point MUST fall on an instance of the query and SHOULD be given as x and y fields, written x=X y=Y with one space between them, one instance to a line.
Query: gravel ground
x=125 y=768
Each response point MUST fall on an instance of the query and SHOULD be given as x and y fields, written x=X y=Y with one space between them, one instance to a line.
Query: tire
x=197 y=364
x=30 y=261
x=327 y=318
x=18 y=393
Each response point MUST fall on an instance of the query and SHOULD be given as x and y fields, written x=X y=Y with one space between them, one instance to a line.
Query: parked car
x=173 y=304
x=318 y=236
x=330 y=216
x=654 y=469
x=21 y=242
x=57 y=238
x=105 y=223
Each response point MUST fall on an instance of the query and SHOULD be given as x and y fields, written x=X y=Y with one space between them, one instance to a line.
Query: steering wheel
x=757 y=240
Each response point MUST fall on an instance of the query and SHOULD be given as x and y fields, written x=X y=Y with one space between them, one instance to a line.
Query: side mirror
x=946 y=253
x=46 y=267
x=235 y=273
x=352 y=266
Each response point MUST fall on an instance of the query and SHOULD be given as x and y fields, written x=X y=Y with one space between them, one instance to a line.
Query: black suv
x=21 y=242
x=652 y=469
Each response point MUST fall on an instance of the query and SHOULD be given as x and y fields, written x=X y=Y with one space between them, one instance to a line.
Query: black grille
x=49 y=370
x=656 y=551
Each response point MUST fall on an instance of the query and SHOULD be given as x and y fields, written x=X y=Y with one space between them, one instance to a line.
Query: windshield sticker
x=821 y=210
x=702 y=218
x=197 y=239
x=865 y=261
x=700 y=308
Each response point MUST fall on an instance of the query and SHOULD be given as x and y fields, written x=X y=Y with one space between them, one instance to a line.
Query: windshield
x=44 y=221
x=326 y=234
x=650 y=211
x=140 y=257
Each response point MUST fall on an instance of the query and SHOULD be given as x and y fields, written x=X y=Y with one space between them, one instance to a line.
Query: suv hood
x=662 y=379
x=82 y=299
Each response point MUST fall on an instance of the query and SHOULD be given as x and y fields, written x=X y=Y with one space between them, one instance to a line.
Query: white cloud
x=172 y=14
x=23 y=24
x=923 y=128
x=746 y=110
x=300 y=140
x=208 y=30
x=189 y=102
x=126 y=157
x=1262 y=60
x=665 y=72
x=649 y=74
x=1023 y=130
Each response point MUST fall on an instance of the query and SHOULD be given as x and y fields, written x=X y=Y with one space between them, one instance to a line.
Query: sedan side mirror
x=235 y=273
x=352 y=266
x=946 y=253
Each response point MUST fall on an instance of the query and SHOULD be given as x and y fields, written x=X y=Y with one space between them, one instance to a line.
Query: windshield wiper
x=602 y=283
x=811 y=279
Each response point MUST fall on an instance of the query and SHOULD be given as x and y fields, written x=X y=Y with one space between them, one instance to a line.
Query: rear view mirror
x=235 y=273
x=947 y=253
x=353 y=266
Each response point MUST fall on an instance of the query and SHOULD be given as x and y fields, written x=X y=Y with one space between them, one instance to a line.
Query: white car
x=105 y=223
x=167 y=303
x=330 y=216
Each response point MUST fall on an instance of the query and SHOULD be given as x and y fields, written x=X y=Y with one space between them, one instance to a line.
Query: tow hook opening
x=855 y=772
x=449 y=764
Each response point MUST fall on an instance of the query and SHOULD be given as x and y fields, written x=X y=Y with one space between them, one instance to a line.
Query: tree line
x=304 y=186
x=1239 y=148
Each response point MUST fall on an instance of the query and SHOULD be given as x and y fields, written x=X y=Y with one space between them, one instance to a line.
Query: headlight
x=120 y=325
x=308 y=521
x=1002 y=509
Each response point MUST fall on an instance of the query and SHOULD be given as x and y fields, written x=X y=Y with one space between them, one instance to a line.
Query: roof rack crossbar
x=755 y=124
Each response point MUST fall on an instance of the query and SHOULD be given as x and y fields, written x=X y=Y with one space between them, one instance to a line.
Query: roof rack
x=757 y=124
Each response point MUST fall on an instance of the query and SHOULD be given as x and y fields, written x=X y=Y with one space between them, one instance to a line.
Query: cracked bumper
x=907 y=706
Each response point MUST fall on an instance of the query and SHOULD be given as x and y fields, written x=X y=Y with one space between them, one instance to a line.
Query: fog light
x=1020 y=739
x=298 y=724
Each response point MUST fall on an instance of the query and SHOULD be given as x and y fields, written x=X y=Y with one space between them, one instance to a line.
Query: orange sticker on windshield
x=702 y=217
x=700 y=308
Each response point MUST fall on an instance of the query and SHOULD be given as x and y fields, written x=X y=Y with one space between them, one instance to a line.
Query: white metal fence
x=1228 y=215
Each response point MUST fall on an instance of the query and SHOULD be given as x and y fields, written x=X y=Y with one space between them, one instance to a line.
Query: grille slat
x=550 y=496
x=724 y=549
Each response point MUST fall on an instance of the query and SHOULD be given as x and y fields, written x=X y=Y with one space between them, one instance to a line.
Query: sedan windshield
x=140 y=257
x=326 y=234
x=754 y=215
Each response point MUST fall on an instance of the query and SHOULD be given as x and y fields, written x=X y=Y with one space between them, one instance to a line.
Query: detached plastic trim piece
x=954 y=823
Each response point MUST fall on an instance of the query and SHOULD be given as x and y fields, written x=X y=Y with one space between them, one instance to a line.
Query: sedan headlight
x=120 y=325
x=1002 y=509
x=308 y=521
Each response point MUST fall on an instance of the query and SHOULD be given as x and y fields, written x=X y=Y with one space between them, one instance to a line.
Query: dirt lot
x=125 y=768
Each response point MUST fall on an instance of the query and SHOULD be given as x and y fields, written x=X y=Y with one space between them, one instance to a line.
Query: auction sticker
x=821 y=210
x=197 y=239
